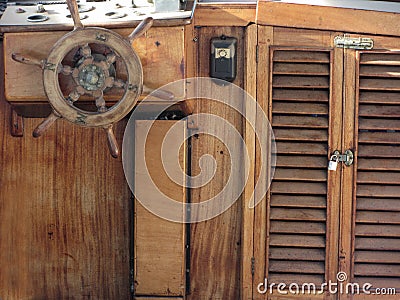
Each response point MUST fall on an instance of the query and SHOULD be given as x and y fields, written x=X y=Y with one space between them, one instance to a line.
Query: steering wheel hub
x=91 y=77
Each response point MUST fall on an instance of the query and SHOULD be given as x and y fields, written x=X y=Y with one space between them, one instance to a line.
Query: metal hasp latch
x=347 y=158
x=348 y=42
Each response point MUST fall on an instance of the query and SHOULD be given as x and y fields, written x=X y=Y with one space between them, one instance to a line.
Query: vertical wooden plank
x=265 y=39
x=250 y=82
x=216 y=243
x=159 y=243
x=348 y=186
x=334 y=177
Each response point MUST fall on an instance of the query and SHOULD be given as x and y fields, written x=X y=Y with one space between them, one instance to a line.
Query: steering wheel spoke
x=86 y=51
x=101 y=103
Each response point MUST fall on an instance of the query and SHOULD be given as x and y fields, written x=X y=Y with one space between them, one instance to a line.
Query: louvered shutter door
x=300 y=95
x=377 y=196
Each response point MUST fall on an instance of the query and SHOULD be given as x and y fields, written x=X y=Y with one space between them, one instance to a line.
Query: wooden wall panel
x=64 y=214
x=216 y=243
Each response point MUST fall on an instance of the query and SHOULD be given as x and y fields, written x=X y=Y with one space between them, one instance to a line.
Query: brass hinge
x=348 y=42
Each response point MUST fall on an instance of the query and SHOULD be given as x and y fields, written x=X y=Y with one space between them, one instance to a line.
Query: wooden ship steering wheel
x=92 y=76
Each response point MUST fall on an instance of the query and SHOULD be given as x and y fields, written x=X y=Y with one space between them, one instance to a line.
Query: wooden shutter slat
x=379 y=164
x=378 y=177
x=280 y=81
x=305 y=241
x=380 y=98
x=368 y=110
x=300 y=174
x=377 y=230
x=299 y=122
x=297 y=188
x=377 y=204
x=378 y=191
x=379 y=124
x=301 y=56
x=296 y=278
x=298 y=201
x=300 y=108
x=379 y=151
x=297 y=227
x=301 y=135
x=380 y=71
x=377 y=257
x=377 y=244
x=297 y=254
x=379 y=282
x=298 y=214
x=301 y=161
x=297 y=267
x=378 y=217
x=301 y=68
x=380 y=59
x=380 y=84
x=301 y=148
x=300 y=95
x=377 y=270
x=379 y=137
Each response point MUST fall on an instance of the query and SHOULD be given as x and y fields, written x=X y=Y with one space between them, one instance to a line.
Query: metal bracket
x=347 y=158
x=348 y=42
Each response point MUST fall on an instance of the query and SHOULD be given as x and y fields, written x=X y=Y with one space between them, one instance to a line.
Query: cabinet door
x=296 y=228
x=371 y=243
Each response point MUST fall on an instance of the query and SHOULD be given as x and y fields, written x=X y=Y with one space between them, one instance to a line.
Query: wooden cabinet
x=315 y=225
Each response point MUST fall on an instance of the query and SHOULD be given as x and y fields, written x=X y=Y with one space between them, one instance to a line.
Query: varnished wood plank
x=298 y=201
x=301 y=56
x=385 y=97
x=300 y=95
x=297 y=227
x=379 y=137
x=298 y=161
x=301 y=148
x=280 y=81
x=300 y=69
x=159 y=243
x=328 y=18
x=297 y=254
x=301 y=135
x=223 y=15
x=378 y=217
x=377 y=270
x=377 y=257
x=379 y=282
x=300 y=175
x=369 y=190
x=303 y=267
x=377 y=230
x=378 y=177
x=299 y=188
x=299 y=122
x=307 y=241
x=302 y=214
x=381 y=244
x=376 y=204
x=218 y=277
